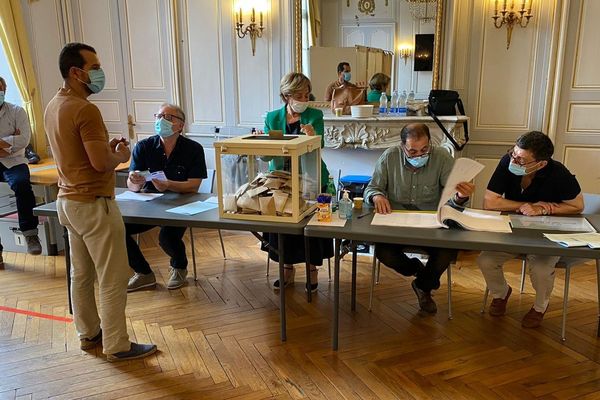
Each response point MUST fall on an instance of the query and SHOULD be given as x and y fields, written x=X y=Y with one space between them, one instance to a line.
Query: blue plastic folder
x=193 y=208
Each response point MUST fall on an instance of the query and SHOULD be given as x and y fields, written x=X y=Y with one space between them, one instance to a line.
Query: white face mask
x=298 y=106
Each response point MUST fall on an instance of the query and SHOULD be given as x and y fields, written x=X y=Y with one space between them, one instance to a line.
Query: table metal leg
x=336 y=294
x=307 y=258
x=68 y=268
x=52 y=223
x=353 y=301
x=281 y=288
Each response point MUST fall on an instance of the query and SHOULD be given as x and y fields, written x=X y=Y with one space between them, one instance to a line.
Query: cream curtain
x=16 y=46
x=314 y=19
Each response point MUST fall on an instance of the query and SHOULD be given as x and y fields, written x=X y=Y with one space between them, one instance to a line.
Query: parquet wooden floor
x=219 y=337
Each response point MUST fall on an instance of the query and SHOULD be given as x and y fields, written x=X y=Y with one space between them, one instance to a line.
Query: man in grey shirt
x=412 y=176
x=15 y=133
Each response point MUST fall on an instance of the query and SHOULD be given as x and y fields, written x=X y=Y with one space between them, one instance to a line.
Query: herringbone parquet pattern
x=219 y=337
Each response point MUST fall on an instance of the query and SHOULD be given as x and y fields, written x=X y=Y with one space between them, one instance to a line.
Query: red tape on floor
x=35 y=314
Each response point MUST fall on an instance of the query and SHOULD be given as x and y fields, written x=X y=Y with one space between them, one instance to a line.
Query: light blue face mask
x=519 y=170
x=163 y=128
x=97 y=80
x=418 y=162
x=347 y=76
x=1 y=97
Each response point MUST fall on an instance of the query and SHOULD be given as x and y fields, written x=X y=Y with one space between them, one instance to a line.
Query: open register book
x=464 y=170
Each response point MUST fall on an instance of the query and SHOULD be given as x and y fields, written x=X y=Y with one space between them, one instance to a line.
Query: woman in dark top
x=296 y=118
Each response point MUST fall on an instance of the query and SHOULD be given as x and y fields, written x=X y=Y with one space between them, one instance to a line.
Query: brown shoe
x=498 y=306
x=532 y=319
x=426 y=302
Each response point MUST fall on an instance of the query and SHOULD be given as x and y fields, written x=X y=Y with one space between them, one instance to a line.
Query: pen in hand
x=364 y=215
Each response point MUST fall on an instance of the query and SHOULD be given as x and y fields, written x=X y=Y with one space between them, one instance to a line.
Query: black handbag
x=445 y=102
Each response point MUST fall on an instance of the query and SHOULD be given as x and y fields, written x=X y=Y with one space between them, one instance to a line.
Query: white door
x=134 y=41
x=578 y=129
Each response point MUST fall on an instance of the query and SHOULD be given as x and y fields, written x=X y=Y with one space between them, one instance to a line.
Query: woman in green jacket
x=296 y=118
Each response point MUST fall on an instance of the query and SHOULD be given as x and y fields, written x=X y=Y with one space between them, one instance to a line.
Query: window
x=12 y=92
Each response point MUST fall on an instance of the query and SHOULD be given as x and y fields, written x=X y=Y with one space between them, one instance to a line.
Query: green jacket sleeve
x=379 y=181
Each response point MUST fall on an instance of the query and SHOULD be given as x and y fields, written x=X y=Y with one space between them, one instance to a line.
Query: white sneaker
x=139 y=281
x=177 y=278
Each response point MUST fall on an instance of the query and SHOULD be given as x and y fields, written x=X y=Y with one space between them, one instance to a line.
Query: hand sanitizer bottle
x=382 y=104
x=345 y=210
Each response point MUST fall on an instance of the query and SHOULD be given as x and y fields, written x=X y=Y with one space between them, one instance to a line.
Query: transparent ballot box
x=265 y=179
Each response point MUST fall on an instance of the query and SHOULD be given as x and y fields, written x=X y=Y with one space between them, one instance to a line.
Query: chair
x=207 y=186
x=592 y=206
x=328 y=266
x=376 y=269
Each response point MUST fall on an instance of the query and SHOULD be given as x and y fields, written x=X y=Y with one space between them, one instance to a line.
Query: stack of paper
x=591 y=240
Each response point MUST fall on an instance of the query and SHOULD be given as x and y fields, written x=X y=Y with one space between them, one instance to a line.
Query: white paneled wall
x=179 y=51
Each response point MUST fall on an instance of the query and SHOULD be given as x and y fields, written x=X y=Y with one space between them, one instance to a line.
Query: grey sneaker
x=139 y=281
x=177 y=278
x=88 y=344
x=33 y=245
x=135 y=351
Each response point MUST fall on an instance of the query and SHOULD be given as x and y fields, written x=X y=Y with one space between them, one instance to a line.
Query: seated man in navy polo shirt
x=181 y=160
x=528 y=181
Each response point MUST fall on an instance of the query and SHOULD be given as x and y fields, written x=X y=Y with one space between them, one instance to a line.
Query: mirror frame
x=437 y=47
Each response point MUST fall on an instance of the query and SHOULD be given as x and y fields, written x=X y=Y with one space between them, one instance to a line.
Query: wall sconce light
x=404 y=52
x=507 y=15
x=253 y=29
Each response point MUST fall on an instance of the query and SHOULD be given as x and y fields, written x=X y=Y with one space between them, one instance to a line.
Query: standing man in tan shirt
x=86 y=207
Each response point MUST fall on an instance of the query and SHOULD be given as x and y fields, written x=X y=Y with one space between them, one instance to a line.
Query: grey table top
x=520 y=241
x=153 y=213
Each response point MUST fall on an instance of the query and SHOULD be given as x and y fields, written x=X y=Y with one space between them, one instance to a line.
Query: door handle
x=130 y=125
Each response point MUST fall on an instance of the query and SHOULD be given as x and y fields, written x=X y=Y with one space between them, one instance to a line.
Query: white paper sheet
x=552 y=223
x=158 y=175
x=212 y=199
x=464 y=170
x=133 y=196
x=411 y=219
x=193 y=208
x=591 y=240
x=335 y=221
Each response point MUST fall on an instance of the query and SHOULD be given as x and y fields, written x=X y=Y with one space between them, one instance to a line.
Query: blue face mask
x=519 y=170
x=347 y=76
x=163 y=128
x=97 y=80
x=418 y=162
x=1 y=97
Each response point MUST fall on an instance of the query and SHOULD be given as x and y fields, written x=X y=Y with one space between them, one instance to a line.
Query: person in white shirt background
x=15 y=133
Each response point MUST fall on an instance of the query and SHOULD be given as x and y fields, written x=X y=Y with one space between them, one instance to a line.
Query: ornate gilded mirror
x=344 y=24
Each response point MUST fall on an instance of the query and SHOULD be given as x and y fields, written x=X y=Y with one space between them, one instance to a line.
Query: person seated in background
x=378 y=84
x=177 y=164
x=412 y=176
x=15 y=133
x=343 y=80
x=296 y=118
x=528 y=181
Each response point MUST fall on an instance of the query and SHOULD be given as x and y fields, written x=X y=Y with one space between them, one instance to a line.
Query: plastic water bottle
x=402 y=104
x=411 y=96
x=345 y=210
x=382 y=104
x=394 y=103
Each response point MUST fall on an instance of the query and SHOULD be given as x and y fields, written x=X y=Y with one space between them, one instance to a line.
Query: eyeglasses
x=415 y=153
x=518 y=160
x=168 y=117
